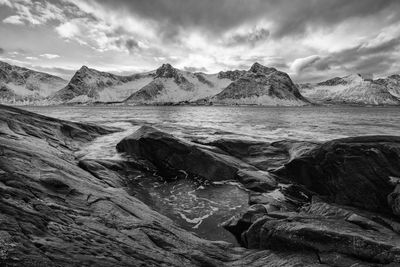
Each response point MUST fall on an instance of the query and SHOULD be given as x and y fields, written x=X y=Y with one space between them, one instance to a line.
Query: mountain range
x=354 y=89
x=260 y=85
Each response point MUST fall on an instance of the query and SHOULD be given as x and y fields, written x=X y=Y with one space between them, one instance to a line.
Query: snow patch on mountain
x=173 y=85
x=352 y=89
x=24 y=85
x=261 y=86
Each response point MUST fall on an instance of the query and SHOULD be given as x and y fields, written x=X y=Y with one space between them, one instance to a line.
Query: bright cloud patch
x=49 y=56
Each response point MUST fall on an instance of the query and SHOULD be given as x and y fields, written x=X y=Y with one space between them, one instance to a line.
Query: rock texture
x=178 y=158
x=59 y=211
x=22 y=85
x=263 y=86
x=352 y=89
x=359 y=171
x=338 y=200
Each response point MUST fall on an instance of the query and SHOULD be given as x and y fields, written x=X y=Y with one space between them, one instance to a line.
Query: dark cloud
x=2 y=50
x=250 y=38
x=194 y=69
x=363 y=58
x=289 y=16
x=131 y=44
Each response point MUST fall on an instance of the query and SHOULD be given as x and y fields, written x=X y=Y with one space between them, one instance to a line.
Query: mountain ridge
x=23 y=84
x=352 y=89
x=259 y=85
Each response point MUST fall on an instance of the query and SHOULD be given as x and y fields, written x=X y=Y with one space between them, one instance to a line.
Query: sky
x=312 y=40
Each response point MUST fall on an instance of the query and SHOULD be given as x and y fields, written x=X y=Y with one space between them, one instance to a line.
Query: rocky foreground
x=331 y=204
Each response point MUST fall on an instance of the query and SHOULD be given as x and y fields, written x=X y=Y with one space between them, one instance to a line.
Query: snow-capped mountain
x=260 y=86
x=22 y=85
x=392 y=83
x=173 y=85
x=352 y=89
x=89 y=85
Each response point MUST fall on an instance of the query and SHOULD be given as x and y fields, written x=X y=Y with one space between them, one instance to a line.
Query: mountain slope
x=89 y=85
x=392 y=83
x=173 y=85
x=21 y=84
x=352 y=89
x=261 y=86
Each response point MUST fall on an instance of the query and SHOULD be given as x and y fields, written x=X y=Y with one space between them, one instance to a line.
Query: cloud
x=68 y=29
x=32 y=12
x=288 y=16
x=249 y=38
x=194 y=69
x=98 y=35
x=2 y=51
x=301 y=63
x=17 y=20
x=49 y=56
x=32 y=58
x=306 y=38
x=371 y=57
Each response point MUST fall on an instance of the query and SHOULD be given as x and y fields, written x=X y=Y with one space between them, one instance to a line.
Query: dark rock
x=178 y=158
x=264 y=156
x=324 y=235
x=353 y=171
x=56 y=213
x=231 y=74
x=240 y=223
x=172 y=155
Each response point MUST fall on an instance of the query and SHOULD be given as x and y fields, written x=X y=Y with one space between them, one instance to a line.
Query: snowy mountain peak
x=354 y=78
x=166 y=71
x=22 y=85
x=353 y=89
x=83 y=69
x=258 y=68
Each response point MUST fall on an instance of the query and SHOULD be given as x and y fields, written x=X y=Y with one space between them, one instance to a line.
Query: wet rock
x=257 y=180
x=325 y=235
x=264 y=156
x=238 y=224
x=178 y=158
x=353 y=171
x=58 y=212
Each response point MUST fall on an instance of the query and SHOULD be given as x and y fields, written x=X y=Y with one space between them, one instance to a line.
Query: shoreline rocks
x=57 y=213
x=330 y=204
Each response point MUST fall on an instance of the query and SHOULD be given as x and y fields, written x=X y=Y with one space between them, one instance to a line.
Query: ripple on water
x=194 y=205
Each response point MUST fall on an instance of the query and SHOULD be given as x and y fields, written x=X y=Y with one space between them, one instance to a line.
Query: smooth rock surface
x=179 y=158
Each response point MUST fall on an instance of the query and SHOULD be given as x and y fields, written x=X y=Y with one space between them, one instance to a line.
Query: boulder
x=357 y=171
x=179 y=158
x=262 y=155
x=324 y=235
